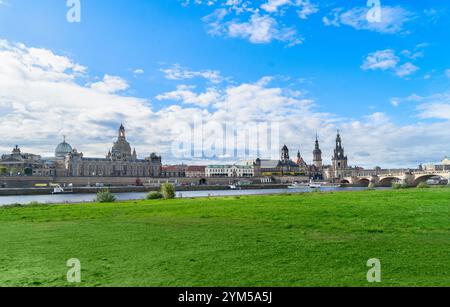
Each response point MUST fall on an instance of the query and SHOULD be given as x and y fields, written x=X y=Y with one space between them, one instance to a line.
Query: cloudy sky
x=309 y=66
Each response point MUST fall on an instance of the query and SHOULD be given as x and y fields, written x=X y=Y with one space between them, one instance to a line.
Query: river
x=83 y=198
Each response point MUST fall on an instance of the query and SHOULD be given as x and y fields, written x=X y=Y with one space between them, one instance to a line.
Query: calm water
x=80 y=198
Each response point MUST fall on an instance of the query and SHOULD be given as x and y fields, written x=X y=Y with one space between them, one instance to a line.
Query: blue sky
x=178 y=57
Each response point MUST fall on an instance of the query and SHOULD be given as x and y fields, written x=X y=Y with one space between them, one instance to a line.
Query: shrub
x=168 y=191
x=423 y=185
x=397 y=186
x=371 y=186
x=154 y=195
x=105 y=196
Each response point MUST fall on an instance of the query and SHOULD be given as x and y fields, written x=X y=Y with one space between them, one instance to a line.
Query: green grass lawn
x=286 y=240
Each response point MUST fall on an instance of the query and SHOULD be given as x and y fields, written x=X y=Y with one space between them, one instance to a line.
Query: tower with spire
x=317 y=154
x=285 y=154
x=340 y=160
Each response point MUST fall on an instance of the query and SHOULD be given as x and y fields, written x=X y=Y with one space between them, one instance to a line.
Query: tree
x=28 y=171
x=168 y=191
x=105 y=196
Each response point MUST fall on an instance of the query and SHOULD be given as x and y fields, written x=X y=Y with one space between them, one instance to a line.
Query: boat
x=233 y=187
x=296 y=186
x=57 y=189
x=315 y=185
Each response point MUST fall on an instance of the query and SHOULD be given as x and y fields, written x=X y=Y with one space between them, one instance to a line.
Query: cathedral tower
x=317 y=154
x=340 y=160
x=285 y=154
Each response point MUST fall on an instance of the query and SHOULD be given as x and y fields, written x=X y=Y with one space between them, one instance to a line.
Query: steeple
x=285 y=154
x=340 y=160
x=122 y=132
x=317 y=154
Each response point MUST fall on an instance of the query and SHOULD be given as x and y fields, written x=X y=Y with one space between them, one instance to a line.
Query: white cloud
x=177 y=72
x=435 y=106
x=40 y=102
x=110 y=85
x=406 y=69
x=387 y=60
x=139 y=71
x=273 y=6
x=393 y=19
x=262 y=30
x=383 y=59
x=186 y=95
x=259 y=25
x=304 y=7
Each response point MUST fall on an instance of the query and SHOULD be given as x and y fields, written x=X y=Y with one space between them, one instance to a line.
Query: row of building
x=122 y=161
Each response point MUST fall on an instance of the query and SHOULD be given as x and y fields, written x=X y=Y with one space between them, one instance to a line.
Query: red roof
x=195 y=168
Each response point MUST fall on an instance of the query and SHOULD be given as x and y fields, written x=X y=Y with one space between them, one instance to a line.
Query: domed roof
x=63 y=149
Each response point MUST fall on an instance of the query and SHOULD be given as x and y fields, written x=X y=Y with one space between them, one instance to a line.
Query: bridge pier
x=409 y=179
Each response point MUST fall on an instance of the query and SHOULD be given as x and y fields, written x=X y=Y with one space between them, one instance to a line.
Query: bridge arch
x=363 y=182
x=388 y=181
x=425 y=178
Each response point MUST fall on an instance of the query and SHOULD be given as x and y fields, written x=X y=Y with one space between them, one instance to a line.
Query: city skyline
x=310 y=66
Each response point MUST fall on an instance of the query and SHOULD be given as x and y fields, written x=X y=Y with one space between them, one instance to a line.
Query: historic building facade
x=120 y=161
x=230 y=171
x=282 y=167
x=25 y=164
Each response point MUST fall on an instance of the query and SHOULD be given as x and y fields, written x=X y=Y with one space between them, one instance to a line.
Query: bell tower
x=317 y=154
x=340 y=160
x=285 y=154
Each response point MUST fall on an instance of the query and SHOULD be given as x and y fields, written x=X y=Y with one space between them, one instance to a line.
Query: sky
x=309 y=67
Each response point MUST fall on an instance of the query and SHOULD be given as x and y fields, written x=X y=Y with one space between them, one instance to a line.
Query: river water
x=82 y=198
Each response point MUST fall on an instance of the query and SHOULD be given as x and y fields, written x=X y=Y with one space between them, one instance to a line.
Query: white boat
x=315 y=185
x=296 y=186
x=57 y=189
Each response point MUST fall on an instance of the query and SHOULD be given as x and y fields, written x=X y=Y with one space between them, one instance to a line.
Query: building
x=25 y=164
x=283 y=167
x=196 y=171
x=174 y=171
x=443 y=166
x=340 y=168
x=340 y=160
x=316 y=169
x=120 y=161
x=230 y=171
x=317 y=155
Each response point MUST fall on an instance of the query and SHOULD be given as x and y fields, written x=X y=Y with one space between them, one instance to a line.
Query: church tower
x=340 y=160
x=285 y=154
x=317 y=155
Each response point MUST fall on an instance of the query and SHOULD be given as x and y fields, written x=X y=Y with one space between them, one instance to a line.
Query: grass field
x=286 y=240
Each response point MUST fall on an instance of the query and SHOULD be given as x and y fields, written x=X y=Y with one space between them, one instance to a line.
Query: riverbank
x=133 y=189
x=315 y=239
x=90 y=198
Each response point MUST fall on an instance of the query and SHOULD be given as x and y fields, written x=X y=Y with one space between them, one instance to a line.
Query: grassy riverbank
x=282 y=240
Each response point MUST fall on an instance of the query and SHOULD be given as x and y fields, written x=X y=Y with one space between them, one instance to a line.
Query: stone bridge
x=388 y=178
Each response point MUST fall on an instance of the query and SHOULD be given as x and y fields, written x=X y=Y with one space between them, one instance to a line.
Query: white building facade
x=230 y=171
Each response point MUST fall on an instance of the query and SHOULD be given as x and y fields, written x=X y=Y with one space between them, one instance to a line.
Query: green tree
x=105 y=196
x=168 y=191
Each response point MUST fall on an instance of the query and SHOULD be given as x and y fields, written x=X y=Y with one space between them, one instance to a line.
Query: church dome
x=63 y=149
